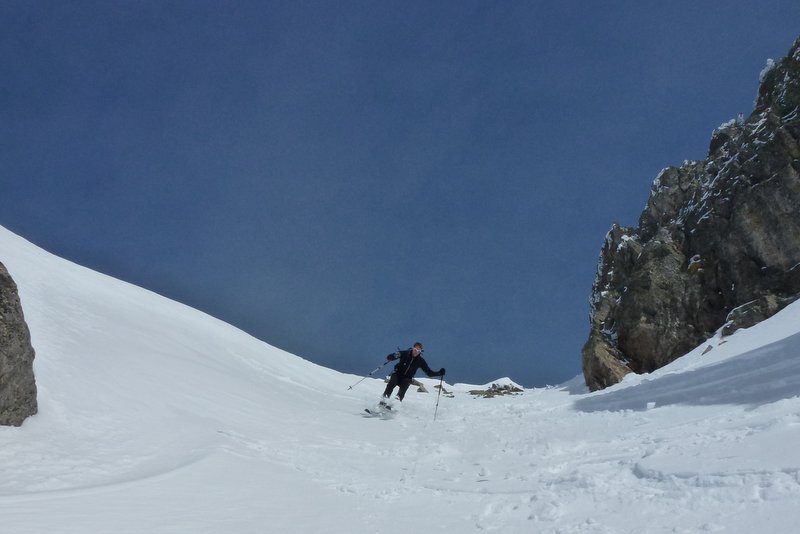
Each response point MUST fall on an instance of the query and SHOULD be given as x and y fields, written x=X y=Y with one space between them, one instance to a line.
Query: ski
x=381 y=410
x=382 y=415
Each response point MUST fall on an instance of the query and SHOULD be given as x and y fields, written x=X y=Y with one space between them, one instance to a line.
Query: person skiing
x=403 y=374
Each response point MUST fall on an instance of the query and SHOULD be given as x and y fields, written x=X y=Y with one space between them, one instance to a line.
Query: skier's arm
x=427 y=370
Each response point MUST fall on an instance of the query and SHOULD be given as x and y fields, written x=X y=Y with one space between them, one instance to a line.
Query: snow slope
x=158 y=418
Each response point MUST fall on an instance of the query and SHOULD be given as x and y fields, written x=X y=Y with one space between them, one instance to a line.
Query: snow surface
x=157 y=418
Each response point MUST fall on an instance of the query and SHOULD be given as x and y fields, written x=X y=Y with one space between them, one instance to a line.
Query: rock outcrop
x=496 y=390
x=17 y=383
x=718 y=242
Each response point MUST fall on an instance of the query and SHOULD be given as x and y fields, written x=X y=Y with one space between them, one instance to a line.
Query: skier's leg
x=403 y=387
x=390 y=386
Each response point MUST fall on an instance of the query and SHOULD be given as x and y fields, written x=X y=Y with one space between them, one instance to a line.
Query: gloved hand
x=441 y=372
x=393 y=356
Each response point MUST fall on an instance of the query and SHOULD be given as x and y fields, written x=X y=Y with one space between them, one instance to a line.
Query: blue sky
x=340 y=178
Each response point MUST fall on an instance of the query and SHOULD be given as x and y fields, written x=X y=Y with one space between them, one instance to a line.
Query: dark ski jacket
x=408 y=365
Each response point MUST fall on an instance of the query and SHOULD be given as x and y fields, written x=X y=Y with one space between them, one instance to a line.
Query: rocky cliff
x=17 y=384
x=718 y=242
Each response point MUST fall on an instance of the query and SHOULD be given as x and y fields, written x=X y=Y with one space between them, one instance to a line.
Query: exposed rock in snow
x=496 y=390
x=17 y=383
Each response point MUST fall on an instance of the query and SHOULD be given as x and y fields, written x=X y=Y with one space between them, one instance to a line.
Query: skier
x=410 y=361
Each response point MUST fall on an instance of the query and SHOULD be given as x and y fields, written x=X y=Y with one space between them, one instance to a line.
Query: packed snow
x=154 y=417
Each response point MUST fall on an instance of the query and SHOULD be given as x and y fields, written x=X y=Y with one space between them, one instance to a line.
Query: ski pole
x=437 y=398
x=369 y=375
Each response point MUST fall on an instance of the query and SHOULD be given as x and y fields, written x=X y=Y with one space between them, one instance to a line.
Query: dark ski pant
x=395 y=381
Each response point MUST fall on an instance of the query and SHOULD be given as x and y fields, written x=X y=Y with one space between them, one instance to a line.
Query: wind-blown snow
x=157 y=418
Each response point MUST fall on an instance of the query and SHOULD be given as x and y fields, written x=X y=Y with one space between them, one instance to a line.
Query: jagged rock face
x=17 y=383
x=715 y=235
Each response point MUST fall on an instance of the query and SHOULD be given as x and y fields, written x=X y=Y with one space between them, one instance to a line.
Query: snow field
x=157 y=418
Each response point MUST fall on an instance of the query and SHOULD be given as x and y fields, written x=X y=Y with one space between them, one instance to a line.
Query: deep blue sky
x=340 y=178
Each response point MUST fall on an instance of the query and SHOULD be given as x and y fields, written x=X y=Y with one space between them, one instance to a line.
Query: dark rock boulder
x=17 y=383
x=715 y=235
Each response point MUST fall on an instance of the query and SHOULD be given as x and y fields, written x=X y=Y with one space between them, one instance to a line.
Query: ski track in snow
x=157 y=418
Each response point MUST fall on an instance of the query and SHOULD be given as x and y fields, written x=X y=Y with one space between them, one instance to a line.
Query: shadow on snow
x=761 y=376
